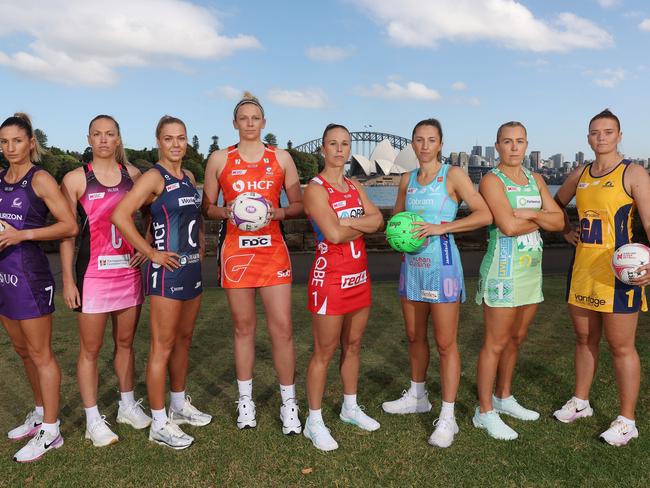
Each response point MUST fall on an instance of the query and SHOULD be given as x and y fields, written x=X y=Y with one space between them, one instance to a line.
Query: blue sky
x=473 y=64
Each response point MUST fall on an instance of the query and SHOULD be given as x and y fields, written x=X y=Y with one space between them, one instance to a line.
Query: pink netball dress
x=105 y=281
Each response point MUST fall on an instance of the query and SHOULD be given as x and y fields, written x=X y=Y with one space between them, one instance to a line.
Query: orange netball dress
x=258 y=258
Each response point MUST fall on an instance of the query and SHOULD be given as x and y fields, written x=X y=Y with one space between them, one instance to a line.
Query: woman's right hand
x=573 y=236
x=71 y=296
x=167 y=259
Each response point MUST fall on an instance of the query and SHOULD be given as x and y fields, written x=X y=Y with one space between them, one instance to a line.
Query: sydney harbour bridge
x=363 y=142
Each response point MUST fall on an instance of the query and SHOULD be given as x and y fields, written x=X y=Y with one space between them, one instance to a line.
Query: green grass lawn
x=546 y=454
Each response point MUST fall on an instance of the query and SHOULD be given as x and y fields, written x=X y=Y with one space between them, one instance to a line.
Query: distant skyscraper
x=535 y=160
x=557 y=159
x=580 y=157
x=490 y=154
x=475 y=160
x=463 y=160
x=477 y=151
x=453 y=159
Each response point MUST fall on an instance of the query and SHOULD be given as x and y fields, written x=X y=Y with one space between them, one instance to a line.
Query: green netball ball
x=399 y=232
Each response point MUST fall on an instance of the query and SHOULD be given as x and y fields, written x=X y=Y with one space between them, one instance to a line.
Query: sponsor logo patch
x=429 y=294
x=593 y=301
x=350 y=213
x=197 y=285
x=186 y=201
x=286 y=273
x=529 y=202
x=238 y=172
x=17 y=203
x=174 y=289
x=582 y=185
x=254 y=241
x=173 y=186
x=115 y=261
x=608 y=184
x=338 y=204
x=352 y=280
x=96 y=196
x=8 y=279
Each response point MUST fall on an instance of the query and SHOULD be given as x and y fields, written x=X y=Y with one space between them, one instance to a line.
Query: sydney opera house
x=385 y=160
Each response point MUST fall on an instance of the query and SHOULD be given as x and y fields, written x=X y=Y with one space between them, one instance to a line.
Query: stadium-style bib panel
x=605 y=216
x=252 y=259
x=511 y=270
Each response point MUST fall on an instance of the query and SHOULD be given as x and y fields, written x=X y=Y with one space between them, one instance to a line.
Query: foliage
x=306 y=164
x=195 y=142
x=41 y=137
x=214 y=146
x=271 y=140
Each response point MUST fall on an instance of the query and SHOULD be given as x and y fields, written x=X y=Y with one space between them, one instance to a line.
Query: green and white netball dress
x=511 y=271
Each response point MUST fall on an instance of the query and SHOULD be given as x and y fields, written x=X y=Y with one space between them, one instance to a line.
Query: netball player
x=27 y=194
x=510 y=283
x=338 y=293
x=258 y=260
x=431 y=279
x=607 y=192
x=173 y=278
x=108 y=283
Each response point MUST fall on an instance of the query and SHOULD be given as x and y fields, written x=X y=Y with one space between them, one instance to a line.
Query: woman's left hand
x=642 y=280
x=9 y=236
x=426 y=229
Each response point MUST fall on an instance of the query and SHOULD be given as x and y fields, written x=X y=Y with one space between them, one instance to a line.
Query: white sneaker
x=246 y=413
x=133 y=415
x=408 y=404
x=495 y=427
x=510 y=406
x=356 y=416
x=170 y=435
x=320 y=436
x=189 y=414
x=571 y=411
x=37 y=446
x=619 y=433
x=30 y=427
x=289 y=417
x=100 y=434
x=444 y=432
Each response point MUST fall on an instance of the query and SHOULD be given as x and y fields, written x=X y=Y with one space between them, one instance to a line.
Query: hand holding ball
x=627 y=259
x=399 y=232
x=250 y=211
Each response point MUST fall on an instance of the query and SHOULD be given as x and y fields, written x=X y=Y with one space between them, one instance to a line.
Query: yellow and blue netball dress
x=511 y=270
x=605 y=211
x=434 y=274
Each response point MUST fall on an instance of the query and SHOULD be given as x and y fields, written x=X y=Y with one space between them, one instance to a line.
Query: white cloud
x=609 y=3
x=608 y=78
x=225 y=91
x=307 y=98
x=329 y=54
x=87 y=41
x=415 y=23
x=392 y=90
x=458 y=86
x=645 y=25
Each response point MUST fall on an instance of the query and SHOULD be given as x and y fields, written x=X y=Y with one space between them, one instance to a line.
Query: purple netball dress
x=26 y=282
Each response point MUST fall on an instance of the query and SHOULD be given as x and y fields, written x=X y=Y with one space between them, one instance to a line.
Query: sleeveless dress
x=252 y=259
x=605 y=211
x=176 y=217
x=511 y=270
x=339 y=281
x=434 y=274
x=26 y=283
x=105 y=281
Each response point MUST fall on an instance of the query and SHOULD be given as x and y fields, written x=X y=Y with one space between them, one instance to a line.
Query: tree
x=195 y=143
x=41 y=137
x=214 y=146
x=87 y=156
x=306 y=164
x=271 y=140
